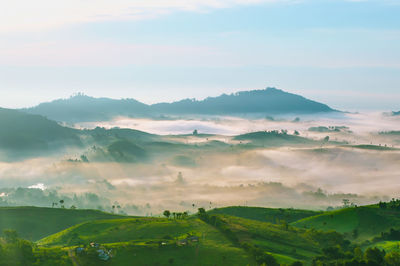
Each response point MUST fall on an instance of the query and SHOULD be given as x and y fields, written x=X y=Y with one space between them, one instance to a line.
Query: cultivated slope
x=265 y=214
x=358 y=224
x=34 y=223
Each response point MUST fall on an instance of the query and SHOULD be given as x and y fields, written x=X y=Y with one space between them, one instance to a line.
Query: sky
x=341 y=52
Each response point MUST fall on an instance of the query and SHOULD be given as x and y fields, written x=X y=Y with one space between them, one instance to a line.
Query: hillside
x=358 y=224
x=274 y=139
x=138 y=240
x=25 y=132
x=84 y=108
x=268 y=101
x=25 y=135
x=144 y=234
x=34 y=223
x=285 y=243
x=217 y=237
x=81 y=108
x=265 y=214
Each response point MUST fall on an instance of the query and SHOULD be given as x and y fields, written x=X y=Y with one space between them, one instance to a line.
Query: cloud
x=26 y=15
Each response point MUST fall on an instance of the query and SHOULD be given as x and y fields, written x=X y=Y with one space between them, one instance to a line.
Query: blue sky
x=343 y=53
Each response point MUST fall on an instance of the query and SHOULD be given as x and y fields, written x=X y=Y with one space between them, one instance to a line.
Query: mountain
x=82 y=108
x=24 y=132
x=268 y=101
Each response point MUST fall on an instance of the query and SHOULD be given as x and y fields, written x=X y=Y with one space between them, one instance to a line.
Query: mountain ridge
x=82 y=108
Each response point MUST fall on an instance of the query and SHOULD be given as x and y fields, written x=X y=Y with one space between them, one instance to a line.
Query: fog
x=312 y=177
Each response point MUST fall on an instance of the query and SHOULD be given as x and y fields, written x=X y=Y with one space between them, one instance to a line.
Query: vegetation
x=33 y=223
x=367 y=235
x=357 y=223
x=265 y=214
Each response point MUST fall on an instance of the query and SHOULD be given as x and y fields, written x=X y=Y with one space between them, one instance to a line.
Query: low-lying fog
x=359 y=123
x=302 y=177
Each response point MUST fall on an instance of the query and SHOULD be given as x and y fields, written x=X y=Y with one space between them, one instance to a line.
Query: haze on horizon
x=343 y=53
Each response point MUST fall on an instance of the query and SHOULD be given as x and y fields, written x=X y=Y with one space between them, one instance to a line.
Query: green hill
x=223 y=236
x=274 y=139
x=123 y=230
x=358 y=224
x=265 y=214
x=25 y=132
x=284 y=242
x=137 y=241
x=34 y=223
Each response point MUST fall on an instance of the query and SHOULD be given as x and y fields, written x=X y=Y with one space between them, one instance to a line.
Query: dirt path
x=71 y=254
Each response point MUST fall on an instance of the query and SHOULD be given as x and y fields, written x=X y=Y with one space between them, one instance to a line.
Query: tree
x=25 y=251
x=180 y=179
x=358 y=254
x=392 y=258
x=84 y=159
x=10 y=235
x=346 y=202
x=264 y=258
x=195 y=132
x=167 y=213
x=62 y=203
x=333 y=253
x=296 y=133
x=202 y=211
x=355 y=233
x=284 y=224
x=382 y=205
x=374 y=256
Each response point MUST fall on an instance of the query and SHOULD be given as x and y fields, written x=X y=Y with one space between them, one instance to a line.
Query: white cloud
x=28 y=15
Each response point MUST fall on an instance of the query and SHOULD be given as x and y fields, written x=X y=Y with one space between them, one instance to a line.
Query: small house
x=193 y=238
x=79 y=250
x=182 y=242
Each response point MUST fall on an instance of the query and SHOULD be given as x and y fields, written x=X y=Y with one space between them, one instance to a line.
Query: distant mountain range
x=271 y=101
